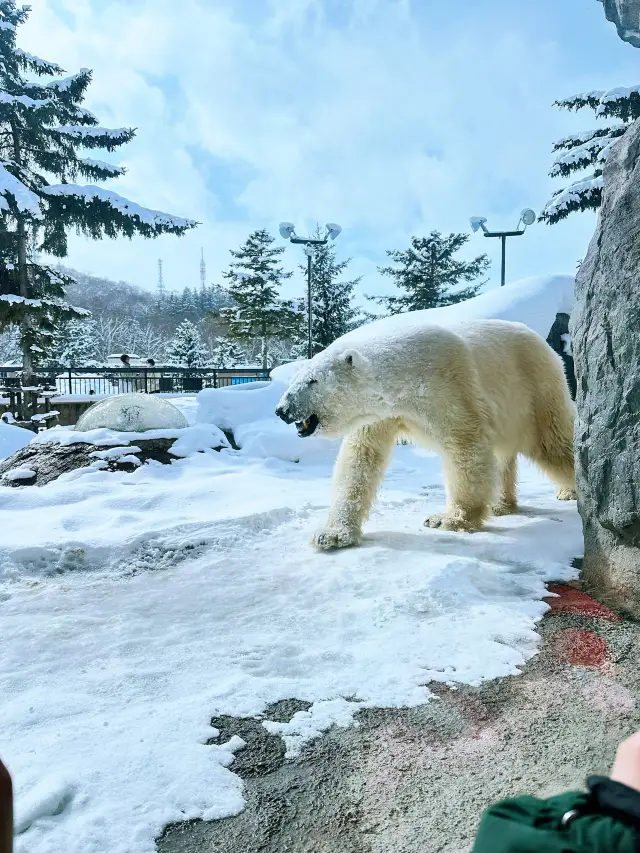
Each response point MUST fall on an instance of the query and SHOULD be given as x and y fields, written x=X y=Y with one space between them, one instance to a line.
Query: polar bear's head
x=330 y=395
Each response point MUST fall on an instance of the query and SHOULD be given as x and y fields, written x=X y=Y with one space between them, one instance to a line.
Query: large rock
x=625 y=14
x=132 y=413
x=39 y=463
x=606 y=350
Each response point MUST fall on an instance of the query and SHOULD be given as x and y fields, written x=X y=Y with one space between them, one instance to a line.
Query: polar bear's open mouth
x=307 y=427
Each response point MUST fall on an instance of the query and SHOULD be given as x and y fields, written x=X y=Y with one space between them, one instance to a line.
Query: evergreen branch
x=35 y=64
x=96 y=209
x=578 y=102
x=581 y=195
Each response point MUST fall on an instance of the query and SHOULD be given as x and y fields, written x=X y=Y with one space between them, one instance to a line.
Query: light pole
x=288 y=231
x=527 y=217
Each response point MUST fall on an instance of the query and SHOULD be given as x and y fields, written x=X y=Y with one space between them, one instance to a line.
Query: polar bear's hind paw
x=453 y=521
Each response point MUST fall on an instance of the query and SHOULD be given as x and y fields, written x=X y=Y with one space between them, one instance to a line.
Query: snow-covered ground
x=137 y=606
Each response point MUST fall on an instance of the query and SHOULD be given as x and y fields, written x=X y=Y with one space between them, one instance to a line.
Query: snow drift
x=12 y=439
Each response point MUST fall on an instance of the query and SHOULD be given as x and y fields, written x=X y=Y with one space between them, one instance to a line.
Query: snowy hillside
x=533 y=301
x=137 y=606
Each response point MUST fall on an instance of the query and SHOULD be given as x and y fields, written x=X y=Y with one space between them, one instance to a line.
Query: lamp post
x=527 y=217
x=288 y=231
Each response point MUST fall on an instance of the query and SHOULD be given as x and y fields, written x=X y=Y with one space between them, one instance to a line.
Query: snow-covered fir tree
x=10 y=352
x=43 y=127
x=332 y=310
x=429 y=274
x=588 y=151
x=226 y=353
x=187 y=349
x=77 y=345
x=255 y=277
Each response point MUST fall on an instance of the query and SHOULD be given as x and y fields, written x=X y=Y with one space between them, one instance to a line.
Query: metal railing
x=105 y=381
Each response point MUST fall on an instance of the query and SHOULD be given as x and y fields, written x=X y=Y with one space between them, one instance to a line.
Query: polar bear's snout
x=284 y=414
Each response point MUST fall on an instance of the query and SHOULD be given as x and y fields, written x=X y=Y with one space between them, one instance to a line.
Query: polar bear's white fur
x=479 y=394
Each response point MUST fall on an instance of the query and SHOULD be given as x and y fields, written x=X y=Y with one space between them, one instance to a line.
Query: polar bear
x=478 y=393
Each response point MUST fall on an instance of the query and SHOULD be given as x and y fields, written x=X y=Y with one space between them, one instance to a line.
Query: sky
x=390 y=117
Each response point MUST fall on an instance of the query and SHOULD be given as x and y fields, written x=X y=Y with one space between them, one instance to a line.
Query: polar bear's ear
x=354 y=359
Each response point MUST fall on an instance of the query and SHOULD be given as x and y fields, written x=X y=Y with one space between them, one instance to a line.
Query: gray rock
x=606 y=350
x=49 y=461
x=625 y=14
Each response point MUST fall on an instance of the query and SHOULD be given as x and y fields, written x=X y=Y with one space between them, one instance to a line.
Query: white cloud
x=378 y=118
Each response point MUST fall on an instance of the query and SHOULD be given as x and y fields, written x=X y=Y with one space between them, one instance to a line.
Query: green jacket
x=606 y=819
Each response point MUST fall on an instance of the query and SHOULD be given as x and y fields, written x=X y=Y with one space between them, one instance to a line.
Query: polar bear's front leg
x=363 y=458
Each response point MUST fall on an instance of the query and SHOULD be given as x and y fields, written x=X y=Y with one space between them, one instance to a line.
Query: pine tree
x=77 y=345
x=187 y=349
x=226 y=353
x=42 y=127
x=332 y=311
x=255 y=278
x=427 y=272
x=589 y=150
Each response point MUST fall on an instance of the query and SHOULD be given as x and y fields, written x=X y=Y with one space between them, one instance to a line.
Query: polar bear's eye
x=312 y=381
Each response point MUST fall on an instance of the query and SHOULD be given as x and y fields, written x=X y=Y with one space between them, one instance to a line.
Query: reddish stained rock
x=581 y=647
x=573 y=601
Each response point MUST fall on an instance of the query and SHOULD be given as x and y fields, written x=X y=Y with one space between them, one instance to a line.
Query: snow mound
x=12 y=439
x=132 y=413
x=248 y=412
x=533 y=301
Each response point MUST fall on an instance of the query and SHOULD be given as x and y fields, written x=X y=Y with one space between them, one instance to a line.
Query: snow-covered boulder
x=132 y=413
x=12 y=438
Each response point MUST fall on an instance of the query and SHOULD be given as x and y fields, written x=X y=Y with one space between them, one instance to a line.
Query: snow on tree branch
x=101 y=165
x=580 y=157
x=81 y=131
x=26 y=200
x=581 y=195
x=24 y=100
x=154 y=218
x=37 y=64
x=589 y=149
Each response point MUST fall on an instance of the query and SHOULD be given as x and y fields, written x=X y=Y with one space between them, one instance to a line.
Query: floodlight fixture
x=527 y=217
x=287 y=230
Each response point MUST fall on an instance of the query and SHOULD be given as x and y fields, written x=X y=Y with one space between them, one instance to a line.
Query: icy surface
x=136 y=606
x=131 y=413
x=12 y=438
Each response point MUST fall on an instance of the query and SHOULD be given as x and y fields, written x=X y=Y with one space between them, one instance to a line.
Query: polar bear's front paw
x=450 y=521
x=566 y=495
x=330 y=538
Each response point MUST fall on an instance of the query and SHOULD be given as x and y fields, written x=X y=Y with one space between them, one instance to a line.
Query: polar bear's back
x=505 y=365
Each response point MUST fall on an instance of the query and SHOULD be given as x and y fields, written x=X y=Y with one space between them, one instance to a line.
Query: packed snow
x=137 y=606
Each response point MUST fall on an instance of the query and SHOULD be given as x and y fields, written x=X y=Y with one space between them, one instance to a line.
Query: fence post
x=215 y=378
x=70 y=382
x=146 y=389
